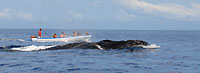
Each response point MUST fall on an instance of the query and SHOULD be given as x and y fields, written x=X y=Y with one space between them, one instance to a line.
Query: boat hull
x=68 y=39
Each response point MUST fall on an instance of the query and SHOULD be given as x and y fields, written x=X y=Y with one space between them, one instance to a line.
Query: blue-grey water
x=179 y=53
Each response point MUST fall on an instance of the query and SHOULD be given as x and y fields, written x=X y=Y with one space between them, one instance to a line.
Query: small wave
x=151 y=46
x=10 y=39
x=31 y=48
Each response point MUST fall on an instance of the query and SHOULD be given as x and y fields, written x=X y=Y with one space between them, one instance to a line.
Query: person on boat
x=63 y=35
x=40 y=33
x=54 y=35
x=74 y=34
x=86 y=33
x=33 y=36
x=78 y=34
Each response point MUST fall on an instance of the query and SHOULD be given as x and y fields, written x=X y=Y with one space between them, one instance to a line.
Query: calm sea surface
x=179 y=53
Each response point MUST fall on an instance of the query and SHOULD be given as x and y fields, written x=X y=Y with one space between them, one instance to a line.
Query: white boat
x=67 y=39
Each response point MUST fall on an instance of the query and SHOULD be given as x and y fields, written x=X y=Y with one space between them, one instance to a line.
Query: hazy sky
x=101 y=14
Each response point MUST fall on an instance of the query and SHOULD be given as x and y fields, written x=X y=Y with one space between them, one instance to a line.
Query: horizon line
x=92 y=29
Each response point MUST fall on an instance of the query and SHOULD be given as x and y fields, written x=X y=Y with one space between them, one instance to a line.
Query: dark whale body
x=104 y=44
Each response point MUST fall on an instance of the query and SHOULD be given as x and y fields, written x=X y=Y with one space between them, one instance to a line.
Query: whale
x=132 y=45
x=103 y=45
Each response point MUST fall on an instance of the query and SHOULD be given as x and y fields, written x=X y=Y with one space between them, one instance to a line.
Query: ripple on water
x=70 y=65
x=186 y=66
x=30 y=56
x=106 y=69
x=147 y=68
x=37 y=69
x=113 y=70
x=77 y=69
x=15 y=65
x=87 y=63
x=131 y=63
x=142 y=67
x=137 y=67
x=3 y=64
x=176 y=68
x=38 y=61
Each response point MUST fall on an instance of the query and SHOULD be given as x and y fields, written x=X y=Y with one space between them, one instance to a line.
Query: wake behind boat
x=67 y=39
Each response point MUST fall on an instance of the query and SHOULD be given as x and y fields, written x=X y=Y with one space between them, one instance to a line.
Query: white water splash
x=31 y=48
x=152 y=46
x=10 y=39
x=99 y=47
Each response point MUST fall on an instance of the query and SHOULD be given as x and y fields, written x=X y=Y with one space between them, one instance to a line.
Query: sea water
x=179 y=52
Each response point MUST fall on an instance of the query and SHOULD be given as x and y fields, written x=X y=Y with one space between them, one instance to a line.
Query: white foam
x=10 y=39
x=20 y=40
x=151 y=46
x=99 y=47
x=31 y=48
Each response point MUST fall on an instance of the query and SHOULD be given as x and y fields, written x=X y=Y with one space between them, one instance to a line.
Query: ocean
x=179 y=53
